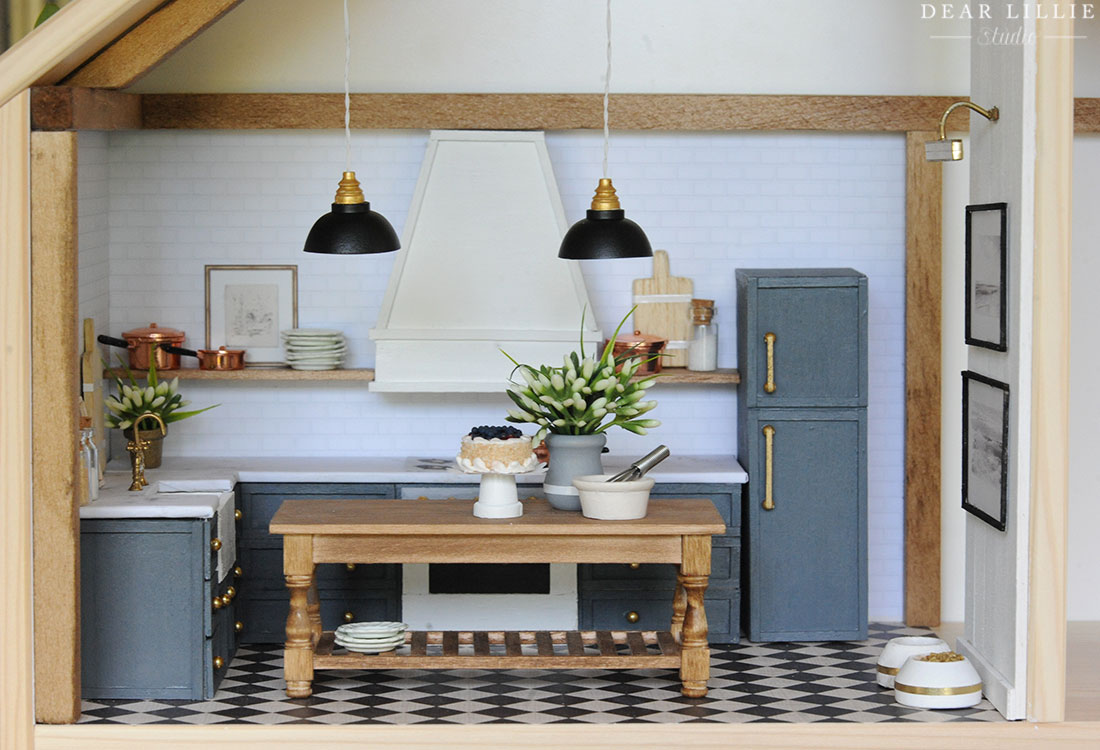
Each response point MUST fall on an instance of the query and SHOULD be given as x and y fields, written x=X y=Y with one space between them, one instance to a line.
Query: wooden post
x=298 y=657
x=694 y=653
x=923 y=333
x=16 y=710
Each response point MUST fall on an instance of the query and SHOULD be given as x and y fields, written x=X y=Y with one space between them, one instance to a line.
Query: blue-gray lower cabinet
x=148 y=625
x=347 y=592
x=802 y=438
x=639 y=597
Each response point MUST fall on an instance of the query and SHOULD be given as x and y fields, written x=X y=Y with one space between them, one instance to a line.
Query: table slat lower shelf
x=558 y=649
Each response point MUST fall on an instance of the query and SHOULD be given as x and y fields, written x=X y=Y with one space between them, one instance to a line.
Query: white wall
x=697 y=46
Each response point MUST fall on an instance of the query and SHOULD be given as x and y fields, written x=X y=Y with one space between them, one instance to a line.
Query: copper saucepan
x=221 y=359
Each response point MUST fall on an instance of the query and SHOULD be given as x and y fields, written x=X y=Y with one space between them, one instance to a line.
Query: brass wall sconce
x=945 y=150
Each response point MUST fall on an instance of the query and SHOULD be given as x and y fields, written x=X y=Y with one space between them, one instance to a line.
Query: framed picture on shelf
x=247 y=307
x=985 y=448
x=987 y=276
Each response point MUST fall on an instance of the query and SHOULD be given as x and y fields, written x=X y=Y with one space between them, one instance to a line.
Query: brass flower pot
x=154 y=444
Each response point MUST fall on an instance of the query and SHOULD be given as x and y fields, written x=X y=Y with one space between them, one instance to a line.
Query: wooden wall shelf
x=260 y=374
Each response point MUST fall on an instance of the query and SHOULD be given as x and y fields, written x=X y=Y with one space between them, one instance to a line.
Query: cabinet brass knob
x=237 y=572
x=530 y=498
x=218 y=662
x=769 y=385
x=351 y=566
x=632 y=616
x=238 y=626
x=217 y=603
x=422 y=497
x=349 y=617
x=226 y=601
x=215 y=544
x=635 y=566
x=237 y=514
x=231 y=592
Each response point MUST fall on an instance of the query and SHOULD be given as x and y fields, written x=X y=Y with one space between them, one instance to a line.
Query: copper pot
x=221 y=359
x=642 y=345
x=142 y=341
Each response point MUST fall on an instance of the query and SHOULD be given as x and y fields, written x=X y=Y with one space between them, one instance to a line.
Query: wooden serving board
x=91 y=374
x=664 y=309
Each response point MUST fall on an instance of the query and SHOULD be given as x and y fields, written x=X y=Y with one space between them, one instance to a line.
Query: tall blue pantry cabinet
x=802 y=437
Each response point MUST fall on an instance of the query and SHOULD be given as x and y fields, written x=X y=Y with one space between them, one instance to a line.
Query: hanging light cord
x=347 y=91
x=606 y=93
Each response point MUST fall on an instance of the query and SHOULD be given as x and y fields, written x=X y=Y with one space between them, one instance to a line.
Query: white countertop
x=196 y=482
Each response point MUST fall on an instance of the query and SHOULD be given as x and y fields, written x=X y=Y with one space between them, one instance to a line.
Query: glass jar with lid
x=703 y=342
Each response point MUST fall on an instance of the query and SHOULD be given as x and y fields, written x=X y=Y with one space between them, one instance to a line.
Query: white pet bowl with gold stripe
x=897 y=650
x=938 y=680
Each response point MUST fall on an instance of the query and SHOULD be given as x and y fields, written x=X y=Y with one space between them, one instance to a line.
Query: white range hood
x=479 y=271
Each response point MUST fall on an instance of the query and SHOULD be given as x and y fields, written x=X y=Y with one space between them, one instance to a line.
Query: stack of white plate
x=314 y=348
x=371 y=637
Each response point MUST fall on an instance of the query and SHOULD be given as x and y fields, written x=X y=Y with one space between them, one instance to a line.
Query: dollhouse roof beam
x=75 y=33
x=149 y=43
x=73 y=108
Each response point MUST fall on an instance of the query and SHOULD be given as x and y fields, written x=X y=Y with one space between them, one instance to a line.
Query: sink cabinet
x=149 y=627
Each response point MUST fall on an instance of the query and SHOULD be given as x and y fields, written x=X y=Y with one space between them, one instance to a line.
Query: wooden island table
x=446 y=531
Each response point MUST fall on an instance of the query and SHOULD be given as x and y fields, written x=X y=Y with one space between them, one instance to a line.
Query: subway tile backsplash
x=157 y=206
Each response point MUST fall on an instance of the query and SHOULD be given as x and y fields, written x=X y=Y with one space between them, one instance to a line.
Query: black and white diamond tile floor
x=750 y=682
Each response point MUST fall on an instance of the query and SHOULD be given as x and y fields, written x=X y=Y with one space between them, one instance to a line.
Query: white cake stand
x=497 y=496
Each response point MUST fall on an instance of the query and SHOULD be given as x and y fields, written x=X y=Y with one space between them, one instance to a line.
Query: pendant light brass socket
x=605 y=198
x=349 y=191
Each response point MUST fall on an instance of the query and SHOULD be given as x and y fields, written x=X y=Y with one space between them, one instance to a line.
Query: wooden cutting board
x=91 y=374
x=664 y=309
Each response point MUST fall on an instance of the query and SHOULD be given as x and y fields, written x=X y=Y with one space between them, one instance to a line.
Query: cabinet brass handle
x=632 y=616
x=218 y=662
x=769 y=339
x=351 y=566
x=769 y=437
x=237 y=514
x=635 y=566
x=349 y=616
x=238 y=626
x=215 y=544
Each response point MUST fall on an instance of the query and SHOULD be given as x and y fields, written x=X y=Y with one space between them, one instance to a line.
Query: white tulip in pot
x=575 y=404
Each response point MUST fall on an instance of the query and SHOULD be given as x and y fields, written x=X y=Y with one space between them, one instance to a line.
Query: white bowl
x=613 y=501
x=921 y=683
x=898 y=650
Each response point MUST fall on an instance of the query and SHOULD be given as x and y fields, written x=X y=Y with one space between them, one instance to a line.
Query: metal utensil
x=639 y=468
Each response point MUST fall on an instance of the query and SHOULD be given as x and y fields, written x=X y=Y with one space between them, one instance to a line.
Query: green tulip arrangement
x=584 y=396
x=158 y=397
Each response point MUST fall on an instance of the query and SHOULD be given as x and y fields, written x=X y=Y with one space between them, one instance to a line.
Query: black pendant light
x=605 y=232
x=351 y=228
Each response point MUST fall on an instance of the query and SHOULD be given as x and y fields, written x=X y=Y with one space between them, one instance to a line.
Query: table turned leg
x=679 y=607
x=298 y=655
x=313 y=606
x=694 y=652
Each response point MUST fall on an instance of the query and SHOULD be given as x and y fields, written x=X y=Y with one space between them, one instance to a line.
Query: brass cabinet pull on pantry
x=769 y=436
x=769 y=339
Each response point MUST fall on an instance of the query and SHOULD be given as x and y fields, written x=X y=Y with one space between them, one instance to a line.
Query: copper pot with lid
x=642 y=345
x=221 y=359
x=153 y=338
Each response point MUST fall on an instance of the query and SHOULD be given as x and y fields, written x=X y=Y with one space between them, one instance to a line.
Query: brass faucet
x=137 y=447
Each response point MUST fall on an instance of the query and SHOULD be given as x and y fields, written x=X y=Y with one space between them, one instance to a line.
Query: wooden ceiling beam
x=149 y=43
x=689 y=112
x=68 y=108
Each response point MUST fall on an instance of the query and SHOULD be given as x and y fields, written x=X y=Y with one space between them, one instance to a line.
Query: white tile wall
x=715 y=201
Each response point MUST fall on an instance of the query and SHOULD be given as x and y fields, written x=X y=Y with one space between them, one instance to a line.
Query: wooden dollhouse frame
x=71 y=74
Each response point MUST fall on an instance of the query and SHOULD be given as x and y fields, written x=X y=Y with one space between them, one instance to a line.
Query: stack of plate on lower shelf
x=371 y=637
x=314 y=348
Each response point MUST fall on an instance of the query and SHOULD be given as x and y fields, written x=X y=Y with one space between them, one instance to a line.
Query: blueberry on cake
x=501 y=450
